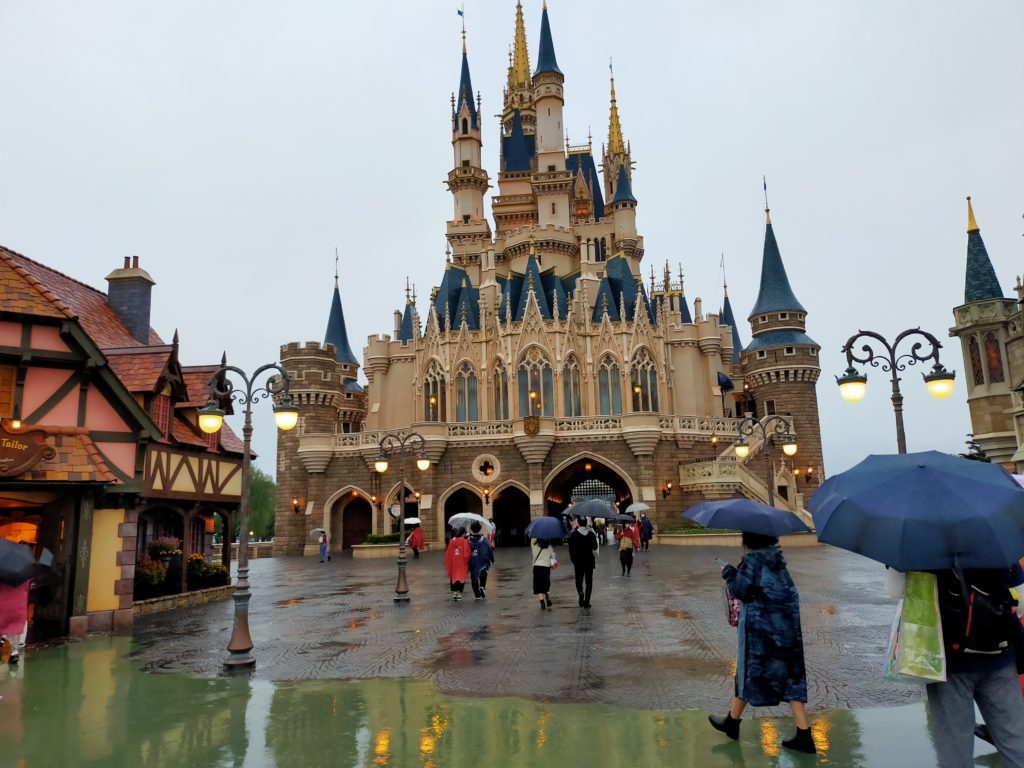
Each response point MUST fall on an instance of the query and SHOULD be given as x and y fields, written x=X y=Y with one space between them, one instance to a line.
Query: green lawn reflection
x=87 y=704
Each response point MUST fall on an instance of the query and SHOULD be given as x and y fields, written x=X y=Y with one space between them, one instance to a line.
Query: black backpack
x=976 y=610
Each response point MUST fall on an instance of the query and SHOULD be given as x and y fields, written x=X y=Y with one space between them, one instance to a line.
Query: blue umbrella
x=745 y=515
x=545 y=528
x=923 y=511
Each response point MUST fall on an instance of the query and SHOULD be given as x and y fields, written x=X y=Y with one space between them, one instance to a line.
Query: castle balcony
x=728 y=477
x=460 y=175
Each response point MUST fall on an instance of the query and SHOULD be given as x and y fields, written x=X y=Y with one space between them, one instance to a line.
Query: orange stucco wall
x=48 y=337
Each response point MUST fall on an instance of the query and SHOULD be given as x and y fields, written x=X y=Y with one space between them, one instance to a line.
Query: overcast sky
x=233 y=145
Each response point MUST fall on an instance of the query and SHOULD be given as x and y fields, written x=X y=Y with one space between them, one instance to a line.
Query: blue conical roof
x=466 y=92
x=775 y=294
x=546 y=55
x=729 y=320
x=623 y=192
x=336 y=332
x=532 y=278
x=981 y=283
x=684 y=309
x=407 y=329
x=516 y=148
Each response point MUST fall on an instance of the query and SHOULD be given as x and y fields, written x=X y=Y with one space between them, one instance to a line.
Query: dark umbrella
x=621 y=519
x=923 y=511
x=17 y=563
x=745 y=515
x=592 y=508
x=545 y=528
x=46 y=575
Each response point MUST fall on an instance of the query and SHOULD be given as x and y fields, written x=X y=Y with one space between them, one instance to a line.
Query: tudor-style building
x=545 y=370
x=99 y=450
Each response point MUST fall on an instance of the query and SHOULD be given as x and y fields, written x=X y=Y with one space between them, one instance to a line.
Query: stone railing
x=700 y=425
x=479 y=428
x=588 y=424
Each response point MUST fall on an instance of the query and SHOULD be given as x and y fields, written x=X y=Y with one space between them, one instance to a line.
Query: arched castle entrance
x=460 y=500
x=586 y=476
x=510 y=509
x=349 y=519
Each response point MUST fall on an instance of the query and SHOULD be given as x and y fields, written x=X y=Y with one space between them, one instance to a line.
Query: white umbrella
x=412 y=521
x=636 y=509
x=464 y=519
x=316 y=532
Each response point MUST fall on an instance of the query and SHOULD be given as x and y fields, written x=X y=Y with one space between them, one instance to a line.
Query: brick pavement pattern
x=657 y=640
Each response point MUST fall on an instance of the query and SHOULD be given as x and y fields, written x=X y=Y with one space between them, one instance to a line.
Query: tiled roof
x=405 y=333
x=336 y=332
x=77 y=459
x=781 y=339
x=86 y=303
x=197 y=383
x=466 y=92
x=729 y=319
x=981 y=283
x=775 y=293
x=517 y=148
x=21 y=292
x=231 y=442
x=185 y=434
x=623 y=192
x=546 y=54
x=139 y=370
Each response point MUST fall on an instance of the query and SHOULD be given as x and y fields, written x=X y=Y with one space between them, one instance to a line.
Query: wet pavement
x=657 y=640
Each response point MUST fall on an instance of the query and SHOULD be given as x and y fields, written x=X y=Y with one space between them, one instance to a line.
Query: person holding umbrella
x=646 y=532
x=456 y=560
x=415 y=541
x=18 y=566
x=480 y=559
x=582 y=546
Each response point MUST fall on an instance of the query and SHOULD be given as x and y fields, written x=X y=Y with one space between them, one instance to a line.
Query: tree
x=262 y=501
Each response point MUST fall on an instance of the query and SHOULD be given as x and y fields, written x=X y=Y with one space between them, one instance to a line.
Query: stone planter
x=183 y=600
x=374 y=551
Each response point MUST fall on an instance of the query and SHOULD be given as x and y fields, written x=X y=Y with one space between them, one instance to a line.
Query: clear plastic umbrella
x=465 y=519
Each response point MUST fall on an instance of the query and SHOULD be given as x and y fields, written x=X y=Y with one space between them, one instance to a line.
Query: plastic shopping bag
x=732 y=608
x=916 y=653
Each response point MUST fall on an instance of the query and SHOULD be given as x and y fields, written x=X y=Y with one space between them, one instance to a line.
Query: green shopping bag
x=916 y=653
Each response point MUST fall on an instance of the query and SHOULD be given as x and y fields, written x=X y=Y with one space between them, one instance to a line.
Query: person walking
x=625 y=549
x=582 y=546
x=480 y=559
x=415 y=541
x=456 y=560
x=324 y=552
x=982 y=639
x=542 y=555
x=646 y=532
x=770 y=659
x=14 y=618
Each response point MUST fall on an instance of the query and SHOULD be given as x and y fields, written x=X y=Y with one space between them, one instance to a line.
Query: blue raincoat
x=482 y=554
x=770 y=659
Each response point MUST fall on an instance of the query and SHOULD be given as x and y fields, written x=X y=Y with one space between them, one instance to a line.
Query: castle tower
x=468 y=229
x=552 y=184
x=618 y=177
x=780 y=365
x=519 y=89
x=982 y=325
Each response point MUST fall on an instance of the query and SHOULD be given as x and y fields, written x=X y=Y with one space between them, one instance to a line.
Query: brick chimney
x=129 y=294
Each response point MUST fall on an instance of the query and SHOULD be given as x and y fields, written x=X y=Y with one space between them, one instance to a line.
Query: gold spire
x=616 y=146
x=520 y=55
x=972 y=225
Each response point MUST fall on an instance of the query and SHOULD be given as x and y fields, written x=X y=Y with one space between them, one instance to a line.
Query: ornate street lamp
x=211 y=418
x=394 y=443
x=853 y=384
x=781 y=429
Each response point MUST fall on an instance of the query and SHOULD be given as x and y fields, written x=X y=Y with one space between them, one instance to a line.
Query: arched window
x=433 y=393
x=609 y=387
x=994 y=359
x=465 y=126
x=602 y=249
x=571 y=387
x=465 y=393
x=644 y=380
x=535 y=384
x=975 y=354
x=500 y=392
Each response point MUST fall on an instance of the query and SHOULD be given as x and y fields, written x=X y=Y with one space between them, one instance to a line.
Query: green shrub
x=382 y=538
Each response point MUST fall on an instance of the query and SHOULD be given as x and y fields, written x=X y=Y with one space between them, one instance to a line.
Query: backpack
x=975 y=607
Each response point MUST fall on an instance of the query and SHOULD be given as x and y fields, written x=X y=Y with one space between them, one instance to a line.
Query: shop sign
x=22 y=449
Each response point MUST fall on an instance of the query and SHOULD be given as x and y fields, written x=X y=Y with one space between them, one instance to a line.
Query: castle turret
x=467 y=180
x=983 y=327
x=552 y=184
x=618 y=175
x=780 y=366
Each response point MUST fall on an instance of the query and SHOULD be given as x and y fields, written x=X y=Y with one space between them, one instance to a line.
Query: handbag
x=732 y=607
x=554 y=561
x=916 y=653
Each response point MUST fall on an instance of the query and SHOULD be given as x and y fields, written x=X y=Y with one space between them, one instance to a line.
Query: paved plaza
x=656 y=640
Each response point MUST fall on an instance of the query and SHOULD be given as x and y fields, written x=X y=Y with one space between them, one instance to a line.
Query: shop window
x=161 y=413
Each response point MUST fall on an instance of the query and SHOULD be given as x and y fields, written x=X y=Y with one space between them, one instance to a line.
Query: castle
x=544 y=370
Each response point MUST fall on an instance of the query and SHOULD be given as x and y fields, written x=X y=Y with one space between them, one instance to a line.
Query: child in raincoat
x=456 y=560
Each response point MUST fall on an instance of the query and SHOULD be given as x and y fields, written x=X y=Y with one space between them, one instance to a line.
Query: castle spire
x=981 y=283
x=775 y=293
x=465 y=95
x=336 y=332
x=546 y=61
x=519 y=67
x=616 y=145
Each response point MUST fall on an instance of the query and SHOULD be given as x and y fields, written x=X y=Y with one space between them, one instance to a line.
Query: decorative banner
x=22 y=449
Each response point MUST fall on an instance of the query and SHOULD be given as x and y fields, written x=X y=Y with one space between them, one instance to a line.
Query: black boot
x=802 y=742
x=727 y=725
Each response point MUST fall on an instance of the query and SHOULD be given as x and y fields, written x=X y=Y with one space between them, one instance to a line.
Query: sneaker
x=458 y=595
x=483 y=594
x=479 y=597
x=13 y=660
x=547 y=600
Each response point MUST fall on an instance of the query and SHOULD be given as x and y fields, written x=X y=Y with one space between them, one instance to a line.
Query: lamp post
x=211 y=418
x=853 y=384
x=781 y=427
x=400 y=445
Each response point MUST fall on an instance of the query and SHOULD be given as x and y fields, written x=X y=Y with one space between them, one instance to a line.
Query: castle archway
x=510 y=509
x=461 y=500
x=587 y=476
x=349 y=520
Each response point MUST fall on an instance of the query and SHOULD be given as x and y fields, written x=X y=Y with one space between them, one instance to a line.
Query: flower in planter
x=150 y=571
x=164 y=546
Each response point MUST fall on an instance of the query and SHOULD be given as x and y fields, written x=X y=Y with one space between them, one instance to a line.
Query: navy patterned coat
x=770 y=659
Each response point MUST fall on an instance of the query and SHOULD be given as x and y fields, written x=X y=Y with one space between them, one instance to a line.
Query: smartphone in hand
x=721 y=562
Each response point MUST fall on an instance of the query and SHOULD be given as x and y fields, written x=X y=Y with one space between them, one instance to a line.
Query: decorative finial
x=616 y=146
x=652 y=279
x=406 y=289
x=767 y=210
x=972 y=225
x=335 y=266
x=668 y=277
x=725 y=284
x=533 y=247
x=414 y=294
x=462 y=15
x=682 y=288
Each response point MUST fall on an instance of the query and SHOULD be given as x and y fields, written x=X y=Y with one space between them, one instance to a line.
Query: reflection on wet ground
x=657 y=640
x=88 y=704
